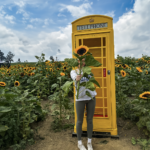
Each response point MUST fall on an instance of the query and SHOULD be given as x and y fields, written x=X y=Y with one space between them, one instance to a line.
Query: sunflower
x=2 y=84
x=139 y=69
x=62 y=74
x=123 y=73
x=81 y=50
x=145 y=95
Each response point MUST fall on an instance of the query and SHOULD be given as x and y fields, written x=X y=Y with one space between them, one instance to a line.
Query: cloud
x=29 y=26
x=111 y=14
x=59 y=15
x=47 y=22
x=10 y=19
x=24 y=50
x=2 y=36
x=5 y=17
x=6 y=34
x=75 y=11
x=132 y=31
x=25 y=14
x=35 y=20
x=10 y=8
x=21 y=10
x=25 y=42
x=28 y=47
x=20 y=4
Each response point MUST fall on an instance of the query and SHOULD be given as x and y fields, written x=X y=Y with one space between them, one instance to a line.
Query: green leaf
x=86 y=72
x=90 y=86
x=133 y=141
x=38 y=109
x=32 y=91
x=9 y=95
x=83 y=84
x=148 y=125
x=135 y=101
x=27 y=129
x=90 y=61
x=54 y=86
x=67 y=117
x=92 y=79
x=66 y=86
x=4 y=109
x=2 y=91
x=3 y=128
x=88 y=94
x=53 y=106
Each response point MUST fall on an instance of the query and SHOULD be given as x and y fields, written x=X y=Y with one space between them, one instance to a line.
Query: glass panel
x=99 y=80
x=99 y=92
x=105 y=92
x=105 y=102
x=104 y=62
x=99 y=60
x=80 y=42
x=92 y=42
x=104 y=41
x=99 y=102
x=105 y=84
x=104 y=52
x=95 y=52
x=98 y=111
x=106 y=113
x=97 y=72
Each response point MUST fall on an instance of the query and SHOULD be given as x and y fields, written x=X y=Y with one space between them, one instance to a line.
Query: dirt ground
x=64 y=141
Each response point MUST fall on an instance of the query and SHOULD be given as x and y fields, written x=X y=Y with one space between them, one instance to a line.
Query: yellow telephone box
x=96 y=32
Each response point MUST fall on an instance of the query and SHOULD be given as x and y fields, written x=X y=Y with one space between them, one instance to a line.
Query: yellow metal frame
x=100 y=124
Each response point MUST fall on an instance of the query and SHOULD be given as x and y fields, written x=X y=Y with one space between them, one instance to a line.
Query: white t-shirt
x=82 y=96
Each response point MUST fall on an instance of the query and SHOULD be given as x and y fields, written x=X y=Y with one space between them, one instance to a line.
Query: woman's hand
x=78 y=77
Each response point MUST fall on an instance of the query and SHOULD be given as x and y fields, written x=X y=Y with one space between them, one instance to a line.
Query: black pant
x=90 y=108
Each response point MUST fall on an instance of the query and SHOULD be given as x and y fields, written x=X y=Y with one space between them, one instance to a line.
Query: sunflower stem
x=79 y=80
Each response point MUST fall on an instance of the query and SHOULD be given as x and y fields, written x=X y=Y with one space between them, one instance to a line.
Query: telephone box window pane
x=96 y=53
x=105 y=92
x=104 y=52
x=93 y=42
x=104 y=79
x=105 y=102
x=106 y=112
x=99 y=111
x=80 y=42
x=99 y=80
x=104 y=41
x=104 y=62
x=99 y=102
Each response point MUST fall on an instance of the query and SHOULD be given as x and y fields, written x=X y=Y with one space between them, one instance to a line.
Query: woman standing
x=80 y=106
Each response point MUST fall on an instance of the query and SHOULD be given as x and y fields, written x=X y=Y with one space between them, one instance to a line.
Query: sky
x=29 y=28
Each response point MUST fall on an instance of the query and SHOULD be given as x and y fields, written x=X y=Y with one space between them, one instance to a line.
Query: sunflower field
x=22 y=88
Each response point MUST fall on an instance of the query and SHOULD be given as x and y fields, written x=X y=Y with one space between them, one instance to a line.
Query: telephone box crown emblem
x=91 y=20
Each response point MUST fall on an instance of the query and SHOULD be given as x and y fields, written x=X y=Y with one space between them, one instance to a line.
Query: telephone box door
x=98 y=45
